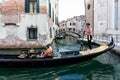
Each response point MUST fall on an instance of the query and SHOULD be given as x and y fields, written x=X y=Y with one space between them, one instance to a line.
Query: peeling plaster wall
x=39 y=20
x=43 y=2
x=15 y=36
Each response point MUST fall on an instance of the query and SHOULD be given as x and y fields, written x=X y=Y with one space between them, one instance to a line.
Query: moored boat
x=68 y=57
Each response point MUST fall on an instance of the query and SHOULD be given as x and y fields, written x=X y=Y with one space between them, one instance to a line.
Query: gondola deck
x=95 y=50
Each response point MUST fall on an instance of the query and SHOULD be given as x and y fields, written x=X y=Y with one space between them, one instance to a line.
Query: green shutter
x=26 y=6
x=53 y=15
x=50 y=10
x=37 y=6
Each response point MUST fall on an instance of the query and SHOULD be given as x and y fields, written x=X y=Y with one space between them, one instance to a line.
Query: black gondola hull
x=13 y=61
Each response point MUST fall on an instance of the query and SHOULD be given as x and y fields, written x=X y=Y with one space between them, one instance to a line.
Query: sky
x=70 y=8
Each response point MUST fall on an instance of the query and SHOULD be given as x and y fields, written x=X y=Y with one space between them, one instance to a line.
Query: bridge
x=72 y=33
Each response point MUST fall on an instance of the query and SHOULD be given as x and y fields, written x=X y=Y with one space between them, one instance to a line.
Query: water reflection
x=90 y=70
x=112 y=59
x=67 y=44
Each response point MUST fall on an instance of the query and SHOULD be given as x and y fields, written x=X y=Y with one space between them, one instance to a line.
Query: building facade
x=63 y=26
x=106 y=17
x=89 y=12
x=75 y=24
x=28 y=23
x=104 y=14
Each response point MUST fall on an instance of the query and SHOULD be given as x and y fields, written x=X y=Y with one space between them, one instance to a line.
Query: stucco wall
x=100 y=16
x=89 y=12
x=15 y=36
x=104 y=17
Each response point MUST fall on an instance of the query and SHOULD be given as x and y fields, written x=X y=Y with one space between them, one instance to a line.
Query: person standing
x=89 y=35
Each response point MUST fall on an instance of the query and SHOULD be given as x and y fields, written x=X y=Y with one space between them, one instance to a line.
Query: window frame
x=88 y=6
x=27 y=6
x=32 y=6
x=34 y=34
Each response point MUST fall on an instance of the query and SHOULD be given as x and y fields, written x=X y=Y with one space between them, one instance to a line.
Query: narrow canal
x=103 y=67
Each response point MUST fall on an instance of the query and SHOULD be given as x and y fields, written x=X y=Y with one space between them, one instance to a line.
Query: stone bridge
x=71 y=33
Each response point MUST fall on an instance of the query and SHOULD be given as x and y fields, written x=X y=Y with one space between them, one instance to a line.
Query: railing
x=105 y=38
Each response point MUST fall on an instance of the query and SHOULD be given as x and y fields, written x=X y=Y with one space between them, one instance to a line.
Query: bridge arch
x=72 y=33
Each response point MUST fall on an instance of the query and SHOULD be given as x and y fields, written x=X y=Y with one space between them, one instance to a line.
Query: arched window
x=88 y=7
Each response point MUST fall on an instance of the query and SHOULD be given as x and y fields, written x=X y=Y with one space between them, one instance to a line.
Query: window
x=70 y=24
x=65 y=24
x=70 y=29
x=88 y=7
x=32 y=6
x=74 y=24
x=53 y=15
x=32 y=33
x=49 y=9
x=56 y=20
x=73 y=29
x=50 y=32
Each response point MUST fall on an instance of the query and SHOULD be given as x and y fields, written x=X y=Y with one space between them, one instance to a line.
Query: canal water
x=103 y=67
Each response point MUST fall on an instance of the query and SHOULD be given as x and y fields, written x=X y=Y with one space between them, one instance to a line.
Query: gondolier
x=89 y=35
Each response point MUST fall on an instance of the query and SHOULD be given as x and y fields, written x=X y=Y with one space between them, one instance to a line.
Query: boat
x=60 y=36
x=68 y=57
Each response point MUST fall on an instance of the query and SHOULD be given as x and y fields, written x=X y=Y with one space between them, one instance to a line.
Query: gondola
x=69 y=57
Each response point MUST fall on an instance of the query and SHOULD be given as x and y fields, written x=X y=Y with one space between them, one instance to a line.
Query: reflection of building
x=75 y=24
x=25 y=23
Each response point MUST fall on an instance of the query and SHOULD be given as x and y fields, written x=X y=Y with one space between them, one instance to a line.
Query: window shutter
x=50 y=10
x=26 y=6
x=37 y=6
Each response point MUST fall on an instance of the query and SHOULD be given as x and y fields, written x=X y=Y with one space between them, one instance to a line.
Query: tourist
x=32 y=50
x=48 y=52
x=89 y=35
x=23 y=55
x=50 y=47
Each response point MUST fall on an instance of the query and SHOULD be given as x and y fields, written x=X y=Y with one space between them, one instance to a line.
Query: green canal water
x=103 y=67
